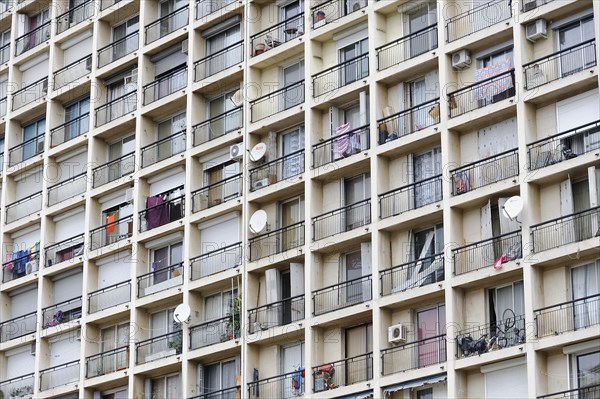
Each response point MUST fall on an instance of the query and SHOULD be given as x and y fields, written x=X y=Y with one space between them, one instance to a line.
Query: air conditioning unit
x=536 y=30
x=260 y=184
x=529 y=5
x=129 y=195
x=461 y=59
x=236 y=151
x=132 y=78
x=355 y=5
x=184 y=46
x=31 y=267
x=397 y=334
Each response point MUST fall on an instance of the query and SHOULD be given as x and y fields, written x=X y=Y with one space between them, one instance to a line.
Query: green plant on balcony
x=20 y=392
x=233 y=326
x=176 y=343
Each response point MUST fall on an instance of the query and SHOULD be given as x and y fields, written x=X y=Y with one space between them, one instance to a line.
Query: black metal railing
x=160 y=279
x=332 y=10
x=62 y=312
x=20 y=265
x=277 y=34
x=74 y=16
x=113 y=170
x=32 y=39
x=564 y=146
x=565 y=230
x=276 y=241
x=343 y=372
x=342 y=295
x=116 y=108
x=5 y=54
x=26 y=150
x=411 y=196
x=18 y=327
x=217 y=193
x=216 y=261
x=342 y=219
x=416 y=273
x=490 y=337
x=276 y=314
x=107 y=362
x=35 y=92
x=158 y=347
x=21 y=386
x=159 y=215
x=66 y=250
x=560 y=64
x=340 y=75
x=218 y=126
x=167 y=24
x=407 y=47
x=485 y=172
x=70 y=130
x=414 y=355
x=23 y=207
x=277 y=101
x=118 y=49
x=409 y=121
x=280 y=169
x=592 y=391
x=568 y=316
x=109 y=297
x=164 y=148
x=211 y=332
x=67 y=189
x=284 y=386
x=72 y=72
x=341 y=146
x=486 y=253
x=482 y=94
x=233 y=392
x=206 y=7
x=60 y=375
x=477 y=19
x=164 y=86
x=111 y=233
x=219 y=61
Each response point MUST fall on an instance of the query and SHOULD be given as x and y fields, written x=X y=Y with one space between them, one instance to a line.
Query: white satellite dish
x=513 y=207
x=258 y=152
x=258 y=221
x=182 y=313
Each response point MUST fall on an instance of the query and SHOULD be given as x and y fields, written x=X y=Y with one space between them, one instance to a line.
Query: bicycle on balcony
x=505 y=333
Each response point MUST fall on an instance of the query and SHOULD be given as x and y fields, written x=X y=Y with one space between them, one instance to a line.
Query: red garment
x=111 y=225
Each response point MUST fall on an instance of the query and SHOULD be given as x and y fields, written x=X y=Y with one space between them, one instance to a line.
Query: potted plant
x=176 y=343
x=233 y=326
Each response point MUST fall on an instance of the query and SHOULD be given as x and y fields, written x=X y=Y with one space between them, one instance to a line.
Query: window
x=114 y=337
x=573 y=35
x=293 y=74
x=169 y=24
x=292 y=359
x=219 y=193
x=288 y=11
x=585 y=283
x=164 y=257
x=4 y=41
x=33 y=139
x=291 y=142
x=77 y=118
x=221 y=41
x=425 y=244
x=491 y=65
x=505 y=304
x=120 y=97
x=356 y=69
x=352 y=267
x=120 y=393
x=426 y=393
x=420 y=18
x=355 y=190
x=218 y=106
x=292 y=212
x=166 y=387
x=359 y=341
x=431 y=322
x=587 y=366
x=118 y=149
x=168 y=145
x=122 y=30
x=427 y=165
x=219 y=376
x=116 y=232
x=162 y=323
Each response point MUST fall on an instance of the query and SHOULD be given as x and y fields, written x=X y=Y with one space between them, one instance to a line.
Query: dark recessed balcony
x=164 y=211
x=409 y=121
x=20 y=264
x=505 y=333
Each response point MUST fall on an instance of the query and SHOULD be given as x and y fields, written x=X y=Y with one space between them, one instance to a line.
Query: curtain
x=585 y=282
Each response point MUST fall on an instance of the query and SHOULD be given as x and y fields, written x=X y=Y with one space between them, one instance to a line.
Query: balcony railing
x=74 y=16
x=409 y=121
x=490 y=337
x=20 y=265
x=111 y=233
x=57 y=376
x=18 y=387
x=568 y=316
x=163 y=149
x=409 y=197
x=272 y=172
x=487 y=253
x=109 y=297
x=592 y=391
x=218 y=126
x=62 y=312
x=276 y=241
x=67 y=189
x=116 y=108
x=72 y=72
x=24 y=207
x=26 y=150
x=529 y=5
x=564 y=146
x=167 y=24
x=164 y=86
x=104 y=4
x=218 y=61
x=70 y=130
x=107 y=362
x=342 y=295
x=32 y=93
x=485 y=172
x=284 y=386
x=477 y=19
x=565 y=230
x=206 y=7
x=278 y=34
x=113 y=170
x=341 y=220
x=338 y=76
x=216 y=261
x=417 y=273
x=18 y=327
x=407 y=47
x=5 y=54
x=277 y=101
x=32 y=39
x=160 y=279
x=482 y=94
x=217 y=193
x=233 y=392
x=343 y=372
x=341 y=146
x=158 y=347
x=413 y=355
x=118 y=49
x=332 y=10
x=211 y=332
x=560 y=64
x=276 y=314
x=3 y=103
x=64 y=250
x=159 y=215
